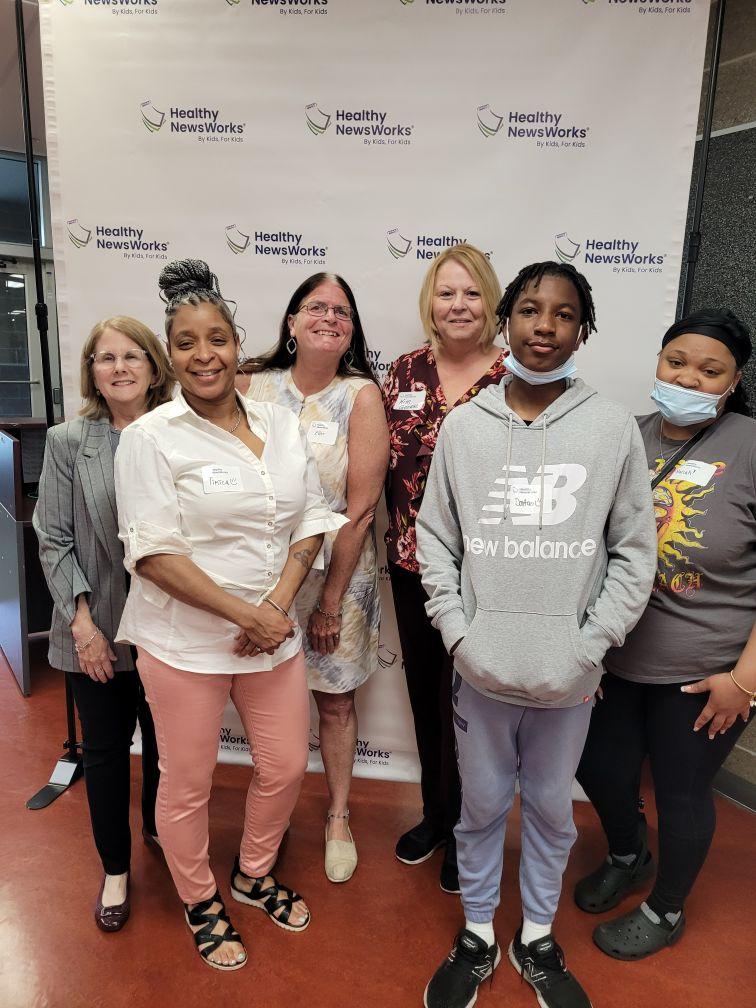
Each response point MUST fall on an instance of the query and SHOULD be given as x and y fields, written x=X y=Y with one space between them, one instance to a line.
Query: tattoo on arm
x=305 y=557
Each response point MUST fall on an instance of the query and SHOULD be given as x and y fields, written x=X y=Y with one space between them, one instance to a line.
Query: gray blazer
x=77 y=526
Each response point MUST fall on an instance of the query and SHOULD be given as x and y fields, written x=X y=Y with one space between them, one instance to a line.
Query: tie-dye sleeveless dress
x=324 y=419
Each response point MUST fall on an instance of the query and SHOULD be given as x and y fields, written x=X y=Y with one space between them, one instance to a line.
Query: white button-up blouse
x=187 y=487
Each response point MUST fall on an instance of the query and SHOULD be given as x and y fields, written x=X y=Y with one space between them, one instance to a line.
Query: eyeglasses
x=107 y=359
x=319 y=309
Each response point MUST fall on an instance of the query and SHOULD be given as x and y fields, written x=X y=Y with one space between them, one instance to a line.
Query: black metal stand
x=69 y=767
x=693 y=245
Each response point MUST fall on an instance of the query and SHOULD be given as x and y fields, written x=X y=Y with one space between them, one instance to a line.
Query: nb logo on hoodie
x=519 y=498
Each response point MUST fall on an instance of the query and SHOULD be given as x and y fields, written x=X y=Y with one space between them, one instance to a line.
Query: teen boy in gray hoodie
x=537 y=548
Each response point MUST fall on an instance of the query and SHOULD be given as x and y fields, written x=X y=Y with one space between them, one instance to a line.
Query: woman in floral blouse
x=458 y=303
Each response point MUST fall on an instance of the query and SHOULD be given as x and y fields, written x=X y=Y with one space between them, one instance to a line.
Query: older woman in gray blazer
x=124 y=374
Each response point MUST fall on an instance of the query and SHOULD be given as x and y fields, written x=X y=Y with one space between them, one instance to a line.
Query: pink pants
x=187 y=708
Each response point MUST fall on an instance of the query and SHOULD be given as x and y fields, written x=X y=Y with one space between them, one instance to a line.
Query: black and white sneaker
x=455 y=983
x=541 y=963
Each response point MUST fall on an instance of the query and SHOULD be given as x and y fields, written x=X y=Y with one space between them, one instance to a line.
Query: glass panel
x=15 y=390
x=14 y=202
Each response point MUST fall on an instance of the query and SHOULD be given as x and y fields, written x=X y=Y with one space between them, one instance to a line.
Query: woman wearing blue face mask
x=679 y=689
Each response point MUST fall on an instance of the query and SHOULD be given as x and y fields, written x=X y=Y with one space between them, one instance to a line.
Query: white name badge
x=221 y=479
x=697 y=473
x=410 y=400
x=323 y=432
x=524 y=500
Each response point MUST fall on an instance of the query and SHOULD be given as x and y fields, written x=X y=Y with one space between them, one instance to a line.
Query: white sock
x=533 y=932
x=484 y=931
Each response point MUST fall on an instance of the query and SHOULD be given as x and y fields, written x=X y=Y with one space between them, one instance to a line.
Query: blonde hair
x=480 y=269
x=161 y=387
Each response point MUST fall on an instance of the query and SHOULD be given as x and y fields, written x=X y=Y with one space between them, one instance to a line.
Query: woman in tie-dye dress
x=320 y=370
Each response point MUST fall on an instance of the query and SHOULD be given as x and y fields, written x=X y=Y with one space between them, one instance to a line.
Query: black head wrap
x=719 y=325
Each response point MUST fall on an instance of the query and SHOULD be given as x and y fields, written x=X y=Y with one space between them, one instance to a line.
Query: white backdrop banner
x=276 y=138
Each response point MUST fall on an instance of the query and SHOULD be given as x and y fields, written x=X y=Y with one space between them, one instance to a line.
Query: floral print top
x=414 y=430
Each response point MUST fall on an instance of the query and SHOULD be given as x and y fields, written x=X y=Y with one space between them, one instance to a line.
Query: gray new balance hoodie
x=537 y=544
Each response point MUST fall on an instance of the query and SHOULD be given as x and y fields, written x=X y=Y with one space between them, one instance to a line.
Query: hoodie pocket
x=532 y=657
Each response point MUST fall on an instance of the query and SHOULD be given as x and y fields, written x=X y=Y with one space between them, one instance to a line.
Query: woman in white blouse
x=222 y=515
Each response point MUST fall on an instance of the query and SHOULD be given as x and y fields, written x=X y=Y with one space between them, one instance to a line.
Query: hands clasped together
x=263 y=630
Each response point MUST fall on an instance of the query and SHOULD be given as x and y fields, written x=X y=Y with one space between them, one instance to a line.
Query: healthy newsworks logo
x=317 y=120
x=469 y=6
x=202 y=123
x=373 y=126
x=543 y=128
x=290 y=6
x=652 y=6
x=386 y=657
x=132 y=242
x=378 y=364
x=489 y=123
x=79 y=235
x=369 y=755
x=426 y=246
x=290 y=248
x=152 y=118
x=624 y=255
x=120 y=6
x=565 y=248
x=397 y=244
x=230 y=741
x=236 y=240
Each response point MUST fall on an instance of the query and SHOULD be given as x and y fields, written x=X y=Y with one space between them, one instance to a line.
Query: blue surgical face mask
x=565 y=370
x=682 y=406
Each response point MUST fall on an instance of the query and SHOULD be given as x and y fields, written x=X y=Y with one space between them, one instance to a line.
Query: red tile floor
x=373 y=943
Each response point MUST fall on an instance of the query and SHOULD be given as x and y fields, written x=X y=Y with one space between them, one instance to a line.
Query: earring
x=348 y=357
x=291 y=345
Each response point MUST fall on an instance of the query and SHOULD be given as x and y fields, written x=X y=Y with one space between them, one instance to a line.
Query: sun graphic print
x=677 y=505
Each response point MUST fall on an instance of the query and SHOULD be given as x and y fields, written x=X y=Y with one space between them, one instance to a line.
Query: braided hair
x=534 y=274
x=191 y=282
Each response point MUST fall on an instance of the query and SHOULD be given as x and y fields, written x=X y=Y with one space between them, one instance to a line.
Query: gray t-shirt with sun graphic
x=703 y=603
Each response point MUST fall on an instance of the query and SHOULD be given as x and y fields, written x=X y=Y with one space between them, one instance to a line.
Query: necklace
x=231 y=430
x=678 y=447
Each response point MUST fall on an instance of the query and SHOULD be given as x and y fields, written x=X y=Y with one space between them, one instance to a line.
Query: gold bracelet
x=750 y=694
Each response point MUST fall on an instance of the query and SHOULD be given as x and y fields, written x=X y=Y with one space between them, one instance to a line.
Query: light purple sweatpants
x=495 y=740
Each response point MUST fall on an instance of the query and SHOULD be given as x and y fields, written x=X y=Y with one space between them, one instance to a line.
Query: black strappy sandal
x=204 y=939
x=269 y=898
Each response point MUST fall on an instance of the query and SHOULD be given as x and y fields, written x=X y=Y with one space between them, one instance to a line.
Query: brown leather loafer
x=112 y=918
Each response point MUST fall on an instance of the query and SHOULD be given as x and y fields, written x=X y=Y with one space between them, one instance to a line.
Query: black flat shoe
x=606 y=887
x=112 y=918
x=419 y=843
x=635 y=936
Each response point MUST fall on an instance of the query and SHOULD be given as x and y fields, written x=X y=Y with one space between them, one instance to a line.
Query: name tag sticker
x=221 y=479
x=697 y=473
x=410 y=400
x=524 y=500
x=323 y=432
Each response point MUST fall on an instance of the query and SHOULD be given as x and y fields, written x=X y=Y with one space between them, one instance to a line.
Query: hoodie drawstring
x=506 y=468
x=543 y=469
